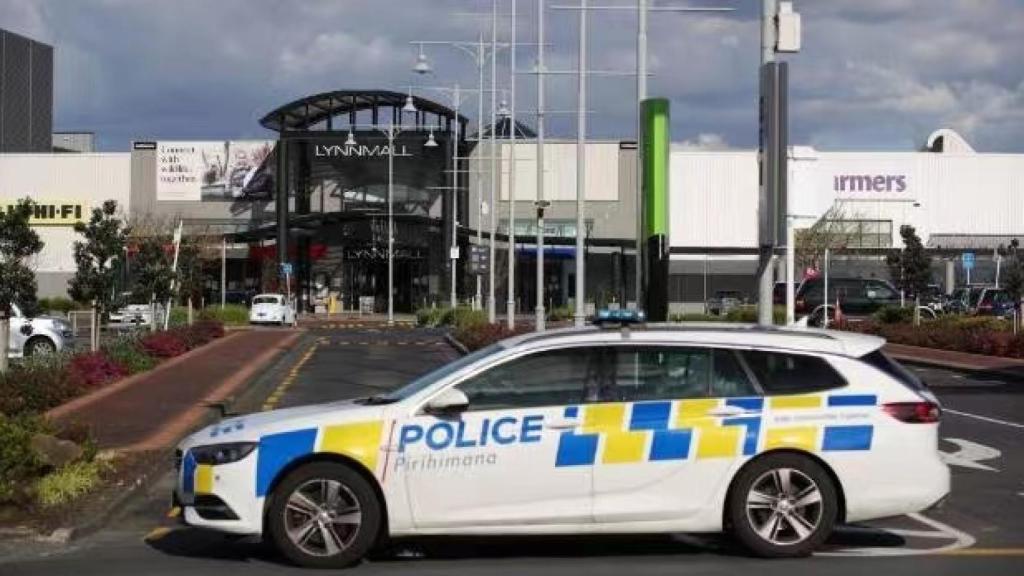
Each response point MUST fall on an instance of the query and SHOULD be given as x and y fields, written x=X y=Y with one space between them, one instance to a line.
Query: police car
x=774 y=435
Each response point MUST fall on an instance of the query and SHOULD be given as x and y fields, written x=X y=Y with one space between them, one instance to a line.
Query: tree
x=911 y=267
x=1014 y=276
x=18 y=243
x=105 y=239
x=151 y=269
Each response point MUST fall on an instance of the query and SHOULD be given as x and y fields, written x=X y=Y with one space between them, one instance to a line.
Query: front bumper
x=219 y=497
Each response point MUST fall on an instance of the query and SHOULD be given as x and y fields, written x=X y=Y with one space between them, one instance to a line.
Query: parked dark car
x=857 y=297
x=994 y=302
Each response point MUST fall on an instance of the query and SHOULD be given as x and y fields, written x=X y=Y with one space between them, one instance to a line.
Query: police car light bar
x=619 y=317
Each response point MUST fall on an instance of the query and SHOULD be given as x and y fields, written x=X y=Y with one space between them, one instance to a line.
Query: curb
x=459 y=346
x=958 y=367
x=180 y=426
x=76 y=403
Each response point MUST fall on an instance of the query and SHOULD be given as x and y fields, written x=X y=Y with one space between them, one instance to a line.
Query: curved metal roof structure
x=304 y=113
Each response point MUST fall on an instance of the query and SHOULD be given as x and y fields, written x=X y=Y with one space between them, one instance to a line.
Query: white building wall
x=713 y=199
x=81 y=179
x=714 y=194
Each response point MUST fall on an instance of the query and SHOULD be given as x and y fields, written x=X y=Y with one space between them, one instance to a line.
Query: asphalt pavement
x=979 y=531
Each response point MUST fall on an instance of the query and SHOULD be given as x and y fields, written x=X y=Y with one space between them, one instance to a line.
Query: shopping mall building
x=317 y=194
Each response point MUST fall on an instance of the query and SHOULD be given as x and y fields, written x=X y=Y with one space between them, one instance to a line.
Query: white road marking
x=959 y=540
x=970 y=454
x=984 y=418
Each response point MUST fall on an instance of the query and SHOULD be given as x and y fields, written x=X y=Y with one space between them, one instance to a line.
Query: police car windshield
x=430 y=378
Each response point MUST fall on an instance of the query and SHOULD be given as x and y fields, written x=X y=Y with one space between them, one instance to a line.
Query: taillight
x=914 y=412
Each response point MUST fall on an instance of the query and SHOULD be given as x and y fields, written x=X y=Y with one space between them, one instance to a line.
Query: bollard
x=189 y=310
x=93 y=329
x=5 y=335
x=917 y=311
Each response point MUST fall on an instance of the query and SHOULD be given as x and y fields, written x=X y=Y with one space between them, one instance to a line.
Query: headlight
x=222 y=453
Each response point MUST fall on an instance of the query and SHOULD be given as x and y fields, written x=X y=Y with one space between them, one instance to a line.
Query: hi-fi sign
x=45 y=214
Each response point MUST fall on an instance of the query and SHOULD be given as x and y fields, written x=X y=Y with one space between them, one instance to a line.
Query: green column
x=655 y=154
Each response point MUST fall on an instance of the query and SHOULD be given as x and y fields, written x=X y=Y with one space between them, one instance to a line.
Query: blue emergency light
x=620 y=316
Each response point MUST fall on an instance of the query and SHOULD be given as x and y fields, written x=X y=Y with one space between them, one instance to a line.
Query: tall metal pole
x=510 y=305
x=790 y=270
x=455 y=199
x=481 y=61
x=492 y=313
x=769 y=9
x=223 y=271
x=539 y=321
x=581 y=165
x=641 y=95
x=391 y=225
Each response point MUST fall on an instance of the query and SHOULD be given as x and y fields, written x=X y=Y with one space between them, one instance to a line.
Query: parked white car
x=38 y=335
x=773 y=435
x=272 y=309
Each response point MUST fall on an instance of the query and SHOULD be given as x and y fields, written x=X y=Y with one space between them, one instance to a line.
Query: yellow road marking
x=158 y=533
x=174 y=512
x=288 y=380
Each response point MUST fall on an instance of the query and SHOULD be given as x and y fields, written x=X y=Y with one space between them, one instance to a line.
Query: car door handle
x=562 y=424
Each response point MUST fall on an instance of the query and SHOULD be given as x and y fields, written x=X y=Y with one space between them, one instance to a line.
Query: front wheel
x=40 y=346
x=324 y=515
x=782 y=506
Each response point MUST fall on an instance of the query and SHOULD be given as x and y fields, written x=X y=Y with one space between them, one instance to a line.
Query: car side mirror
x=451 y=401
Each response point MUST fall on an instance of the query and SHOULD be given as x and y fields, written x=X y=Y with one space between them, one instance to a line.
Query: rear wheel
x=782 y=506
x=324 y=515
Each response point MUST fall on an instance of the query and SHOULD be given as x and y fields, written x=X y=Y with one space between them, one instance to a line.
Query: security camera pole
x=780 y=32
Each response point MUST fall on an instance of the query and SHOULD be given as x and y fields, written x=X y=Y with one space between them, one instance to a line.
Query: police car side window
x=550 y=378
x=658 y=373
x=781 y=373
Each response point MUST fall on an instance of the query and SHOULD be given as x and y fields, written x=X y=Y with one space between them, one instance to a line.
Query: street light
x=410 y=106
x=431 y=143
x=422 y=66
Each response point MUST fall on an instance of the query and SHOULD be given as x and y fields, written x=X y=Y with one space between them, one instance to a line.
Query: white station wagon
x=271 y=309
x=773 y=435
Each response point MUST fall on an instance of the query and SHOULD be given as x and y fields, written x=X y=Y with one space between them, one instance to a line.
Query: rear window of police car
x=783 y=373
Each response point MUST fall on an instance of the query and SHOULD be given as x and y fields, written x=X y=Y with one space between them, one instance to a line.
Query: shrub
x=92 y=369
x=128 y=352
x=894 y=315
x=166 y=344
x=18 y=461
x=230 y=315
x=560 y=313
x=68 y=483
x=36 y=384
x=430 y=317
x=464 y=316
x=476 y=336
x=57 y=304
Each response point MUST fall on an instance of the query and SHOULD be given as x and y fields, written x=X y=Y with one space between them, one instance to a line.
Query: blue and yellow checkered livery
x=682 y=429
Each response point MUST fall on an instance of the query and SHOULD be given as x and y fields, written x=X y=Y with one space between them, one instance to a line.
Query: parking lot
x=979 y=529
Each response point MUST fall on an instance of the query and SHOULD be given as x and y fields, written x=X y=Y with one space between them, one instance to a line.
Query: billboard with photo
x=214 y=171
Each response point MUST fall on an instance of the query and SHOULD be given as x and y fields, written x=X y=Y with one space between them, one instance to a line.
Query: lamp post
x=641 y=71
x=510 y=305
x=478 y=51
x=541 y=204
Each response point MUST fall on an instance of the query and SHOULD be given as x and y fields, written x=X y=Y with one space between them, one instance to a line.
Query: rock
x=53 y=451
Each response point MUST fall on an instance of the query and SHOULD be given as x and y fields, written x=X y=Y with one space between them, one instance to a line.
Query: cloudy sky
x=873 y=74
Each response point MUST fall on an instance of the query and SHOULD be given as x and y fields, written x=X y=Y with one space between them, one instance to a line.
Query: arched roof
x=309 y=111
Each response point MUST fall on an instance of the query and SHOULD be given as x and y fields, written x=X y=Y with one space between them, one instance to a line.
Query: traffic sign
x=479 y=259
x=286 y=269
x=968 y=260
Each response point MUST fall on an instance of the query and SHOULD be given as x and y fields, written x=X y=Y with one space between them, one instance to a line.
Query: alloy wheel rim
x=784 y=506
x=322 y=517
x=42 y=348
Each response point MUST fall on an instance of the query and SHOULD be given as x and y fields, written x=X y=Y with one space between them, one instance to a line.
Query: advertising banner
x=214 y=171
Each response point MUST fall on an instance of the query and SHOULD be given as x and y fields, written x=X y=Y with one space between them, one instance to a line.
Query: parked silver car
x=37 y=335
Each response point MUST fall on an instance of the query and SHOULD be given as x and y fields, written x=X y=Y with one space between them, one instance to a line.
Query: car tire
x=311 y=531
x=782 y=506
x=40 y=346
